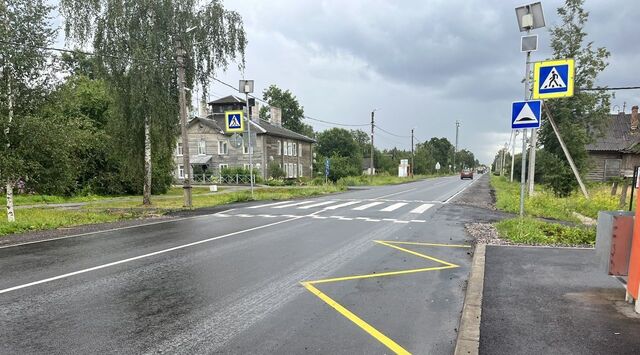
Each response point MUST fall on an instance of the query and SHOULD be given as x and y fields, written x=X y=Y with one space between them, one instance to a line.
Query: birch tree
x=136 y=41
x=24 y=31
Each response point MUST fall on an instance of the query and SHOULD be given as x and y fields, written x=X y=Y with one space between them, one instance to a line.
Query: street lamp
x=246 y=87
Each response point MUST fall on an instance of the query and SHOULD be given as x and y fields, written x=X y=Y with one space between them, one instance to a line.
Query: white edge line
x=140 y=257
x=112 y=229
x=461 y=191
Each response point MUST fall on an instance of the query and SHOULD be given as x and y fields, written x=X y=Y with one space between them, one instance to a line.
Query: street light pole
x=523 y=172
x=246 y=87
x=186 y=184
x=455 y=149
x=412 y=152
x=372 y=126
x=513 y=153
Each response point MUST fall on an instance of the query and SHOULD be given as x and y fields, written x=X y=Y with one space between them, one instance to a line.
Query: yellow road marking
x=415 y=253
x=426 y=244
x=356 y=277
x=392 y=345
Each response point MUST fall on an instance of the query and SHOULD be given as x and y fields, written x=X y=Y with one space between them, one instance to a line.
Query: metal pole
x=186 y=183
x=566 y=151
x=455 y=149
x=372 y=125
x=524 y=136
x=412 y=152
x=250 y=147
x=504 y=159
x=513 y=153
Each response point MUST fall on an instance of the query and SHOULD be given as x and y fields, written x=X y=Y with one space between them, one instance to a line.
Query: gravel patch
x=485 y=233
x=480 y=194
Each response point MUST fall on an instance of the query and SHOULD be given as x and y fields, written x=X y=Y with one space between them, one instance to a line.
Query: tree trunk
x=146 y=198
x=11 y=217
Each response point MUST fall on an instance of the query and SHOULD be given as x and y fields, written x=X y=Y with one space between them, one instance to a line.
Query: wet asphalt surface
x=553 y=301
x=231 y=282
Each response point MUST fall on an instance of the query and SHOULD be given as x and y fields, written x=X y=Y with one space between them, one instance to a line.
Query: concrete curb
x=468 y=341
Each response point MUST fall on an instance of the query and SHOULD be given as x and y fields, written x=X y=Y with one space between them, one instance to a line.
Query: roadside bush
x=532 y=231
x=275 y=171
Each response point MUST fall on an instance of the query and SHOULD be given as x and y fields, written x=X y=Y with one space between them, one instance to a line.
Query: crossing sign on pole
x=553 y=79
x=526 y=114
x=234 y=121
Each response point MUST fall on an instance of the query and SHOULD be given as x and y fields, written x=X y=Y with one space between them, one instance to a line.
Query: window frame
x=202 y=147
x=179 y=150
x=279 y=147
x=223 y=166
x=226 y=148
x=295 y=149
x=180 y=171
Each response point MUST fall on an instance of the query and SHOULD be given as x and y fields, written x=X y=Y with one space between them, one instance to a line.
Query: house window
x=300 y=170
x=291 y=171
x=223 y=149
x=202 y=147
x=279 y=147
x=223 y=166
x=245 y=148
x=285 y=151
x=289 y=149
x=612 y=168
x=295 y=150
x=246 y=166
x=179 y=149
x=180 y=171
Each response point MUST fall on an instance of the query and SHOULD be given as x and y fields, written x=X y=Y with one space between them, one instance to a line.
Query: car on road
x=466 y=174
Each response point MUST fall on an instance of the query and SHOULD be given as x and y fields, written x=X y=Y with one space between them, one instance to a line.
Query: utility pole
x=455 y=149
x=372 y=125
x=186 y=184
x=246 y=87
x=504 y=159
x=412 y=152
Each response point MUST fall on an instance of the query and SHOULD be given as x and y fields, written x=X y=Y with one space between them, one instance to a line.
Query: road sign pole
x=524 y=137
x=246 y=94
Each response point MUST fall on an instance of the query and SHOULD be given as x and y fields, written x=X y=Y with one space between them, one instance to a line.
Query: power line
x=389 y=133
x=610 y=89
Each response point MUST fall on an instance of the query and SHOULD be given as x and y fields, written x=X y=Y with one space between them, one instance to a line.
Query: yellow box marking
x=376 y=334
x=392 y=345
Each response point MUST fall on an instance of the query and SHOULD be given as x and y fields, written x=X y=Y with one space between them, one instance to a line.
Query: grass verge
x=536 y=232
x=379 y=180
x=545 y=204
x=32 y=219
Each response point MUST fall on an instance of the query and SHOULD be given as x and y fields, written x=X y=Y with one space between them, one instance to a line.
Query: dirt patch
x=485 y=233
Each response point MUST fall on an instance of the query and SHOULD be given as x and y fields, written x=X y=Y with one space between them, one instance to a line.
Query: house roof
x=617 y=136
x=205 y=121
x=231 y=99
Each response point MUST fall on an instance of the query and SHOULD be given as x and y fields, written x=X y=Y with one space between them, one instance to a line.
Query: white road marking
x=393 y=207
x=270 y=204
x=399 y=221
x=317 y=205
x=421 y=208
x=368 y=205
x=418 y=221
x=294 y=204
x=63 y=276
x=342 y=205
x=459 y=192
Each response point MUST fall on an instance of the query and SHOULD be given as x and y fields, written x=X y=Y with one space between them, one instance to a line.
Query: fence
x=227 y=179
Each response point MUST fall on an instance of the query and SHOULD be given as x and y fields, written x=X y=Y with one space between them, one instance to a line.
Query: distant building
x=617 y=152
x=210 y=149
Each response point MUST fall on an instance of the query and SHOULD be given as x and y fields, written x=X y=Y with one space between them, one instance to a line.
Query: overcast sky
x=422 y=64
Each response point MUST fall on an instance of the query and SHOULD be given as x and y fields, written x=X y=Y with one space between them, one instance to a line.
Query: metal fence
x=227 y=179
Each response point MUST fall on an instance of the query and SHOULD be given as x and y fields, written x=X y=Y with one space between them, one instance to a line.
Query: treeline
x=350 y=150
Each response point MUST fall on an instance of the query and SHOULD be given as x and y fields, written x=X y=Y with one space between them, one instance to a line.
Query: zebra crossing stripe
x=342 y=205
x=368 y=205
x=421 y=208
x=317 y=205
x=270 y=204
x=294 y=204
x=393 y=207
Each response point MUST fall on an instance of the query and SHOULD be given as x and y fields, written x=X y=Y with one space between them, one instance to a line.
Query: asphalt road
x=351 y=273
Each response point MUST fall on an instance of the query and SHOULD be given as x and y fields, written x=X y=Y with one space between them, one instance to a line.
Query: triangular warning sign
x=553 y=81
x=526 y=115
x=234 y=121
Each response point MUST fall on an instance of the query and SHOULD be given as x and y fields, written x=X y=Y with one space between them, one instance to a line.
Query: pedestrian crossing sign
x=553 y=79
x=526 y=114
x=234 y=121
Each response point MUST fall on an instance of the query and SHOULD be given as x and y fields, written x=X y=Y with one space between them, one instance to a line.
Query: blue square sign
x=526 y=114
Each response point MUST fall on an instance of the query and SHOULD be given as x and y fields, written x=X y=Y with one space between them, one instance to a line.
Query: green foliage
x=339 y=145
x=275 y=171
x=292 y=112
x=243 y=175
x=341 y=167
x=532 y=231
x=581 y=117
x=545 y=203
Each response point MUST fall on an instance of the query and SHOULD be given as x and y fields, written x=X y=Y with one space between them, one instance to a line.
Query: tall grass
x=535 y=232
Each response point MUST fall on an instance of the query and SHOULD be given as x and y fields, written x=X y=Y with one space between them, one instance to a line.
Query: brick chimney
x=634 y=118
x=276 y=116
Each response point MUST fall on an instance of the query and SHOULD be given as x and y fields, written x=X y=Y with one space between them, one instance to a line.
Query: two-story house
x=211 y=151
